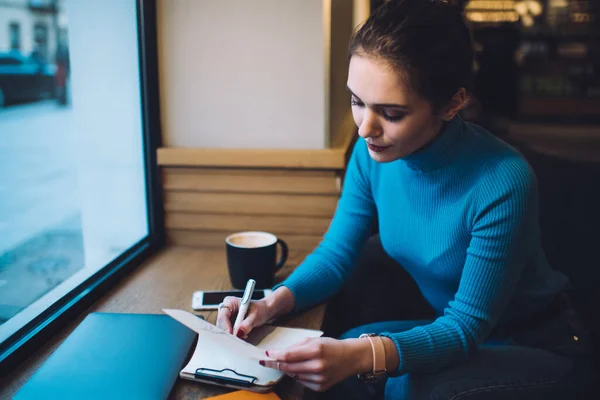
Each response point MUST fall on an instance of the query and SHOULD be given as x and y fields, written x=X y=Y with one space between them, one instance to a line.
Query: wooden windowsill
x=168 y=280
x=255 y=158
x=326 y=159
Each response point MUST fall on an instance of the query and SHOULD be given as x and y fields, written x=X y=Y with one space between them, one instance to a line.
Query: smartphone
x=210 y=300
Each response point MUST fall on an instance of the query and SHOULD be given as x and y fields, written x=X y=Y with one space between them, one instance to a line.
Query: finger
x=226 y=314
x=311 y=366
x=233 y=303
x=247 y=324
x=300 y=343
x=309 y=350
x=223 y=320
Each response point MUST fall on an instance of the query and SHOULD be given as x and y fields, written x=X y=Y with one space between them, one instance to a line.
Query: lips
x=377 y=149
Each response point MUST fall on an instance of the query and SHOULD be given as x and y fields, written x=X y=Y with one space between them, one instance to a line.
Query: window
x=40 y=42
x=78 y=183
x=14 y=35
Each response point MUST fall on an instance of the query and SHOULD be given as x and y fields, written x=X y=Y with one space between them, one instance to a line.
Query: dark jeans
x=542 y=362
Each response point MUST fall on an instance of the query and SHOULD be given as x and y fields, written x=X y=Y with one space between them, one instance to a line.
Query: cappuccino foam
x=251 y=240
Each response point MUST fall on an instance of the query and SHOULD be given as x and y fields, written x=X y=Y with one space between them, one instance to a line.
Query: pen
x=245 y=303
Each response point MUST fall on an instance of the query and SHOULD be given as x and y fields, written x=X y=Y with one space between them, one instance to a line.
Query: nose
x=369 y=126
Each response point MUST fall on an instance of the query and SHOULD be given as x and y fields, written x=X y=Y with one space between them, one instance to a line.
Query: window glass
x=72 y=187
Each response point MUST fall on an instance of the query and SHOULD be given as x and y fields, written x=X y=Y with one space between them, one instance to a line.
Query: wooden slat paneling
x=251 y=203
x=216 y=239
x=233 y=223
x=229 y=180
x=205 y=204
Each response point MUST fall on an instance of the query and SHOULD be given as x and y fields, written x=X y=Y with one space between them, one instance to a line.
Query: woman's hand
x=258 y=314
x=280 y=302
x=319 y=363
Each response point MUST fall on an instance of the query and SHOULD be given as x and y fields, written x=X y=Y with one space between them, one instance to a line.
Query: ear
x=458 y=101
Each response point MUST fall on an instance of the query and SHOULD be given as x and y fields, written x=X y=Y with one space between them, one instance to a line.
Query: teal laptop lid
x=114 y=356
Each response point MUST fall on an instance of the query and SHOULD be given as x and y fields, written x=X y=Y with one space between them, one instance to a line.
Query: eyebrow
x=381 y=105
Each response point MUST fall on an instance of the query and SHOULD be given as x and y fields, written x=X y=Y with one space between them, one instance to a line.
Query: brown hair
x=428 y=40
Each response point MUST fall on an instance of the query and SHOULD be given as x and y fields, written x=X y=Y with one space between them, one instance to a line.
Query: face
x=393 y=119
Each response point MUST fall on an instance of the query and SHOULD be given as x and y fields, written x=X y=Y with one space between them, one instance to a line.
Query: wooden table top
x=168 y=280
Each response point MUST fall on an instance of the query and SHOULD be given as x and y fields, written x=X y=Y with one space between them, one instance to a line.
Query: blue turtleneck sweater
x=461 y=217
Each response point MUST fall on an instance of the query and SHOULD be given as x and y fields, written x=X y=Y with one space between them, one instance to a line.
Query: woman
x=457 y=208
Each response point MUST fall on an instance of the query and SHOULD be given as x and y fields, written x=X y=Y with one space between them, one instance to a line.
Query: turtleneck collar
x=439 y=152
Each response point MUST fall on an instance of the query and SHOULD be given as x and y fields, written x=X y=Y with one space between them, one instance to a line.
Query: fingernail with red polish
x=261 y=362
x=240 y=333
x=267 y=353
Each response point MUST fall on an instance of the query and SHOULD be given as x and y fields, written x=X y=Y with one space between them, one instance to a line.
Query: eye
x=392 y=116
x=357 y=103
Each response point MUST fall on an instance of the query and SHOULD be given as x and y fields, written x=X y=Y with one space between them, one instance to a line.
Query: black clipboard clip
x=205 y=373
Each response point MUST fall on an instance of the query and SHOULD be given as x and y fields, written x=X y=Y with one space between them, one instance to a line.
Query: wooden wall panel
x=251 y=203
x=204 y=205
x=251 y=180
x=237 y=222
x=216 y=239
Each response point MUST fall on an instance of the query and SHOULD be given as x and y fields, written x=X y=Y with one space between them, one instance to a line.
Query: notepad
x=217 y=337
x=223 y=359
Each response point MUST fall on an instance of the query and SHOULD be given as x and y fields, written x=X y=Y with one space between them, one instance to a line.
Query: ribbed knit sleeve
x=503 y=221
x=325 y=270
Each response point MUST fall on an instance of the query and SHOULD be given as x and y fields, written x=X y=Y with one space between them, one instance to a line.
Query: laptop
x=114 y=356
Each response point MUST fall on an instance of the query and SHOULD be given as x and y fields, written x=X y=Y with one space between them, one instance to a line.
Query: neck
x=439 y=150
x=440 y=125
